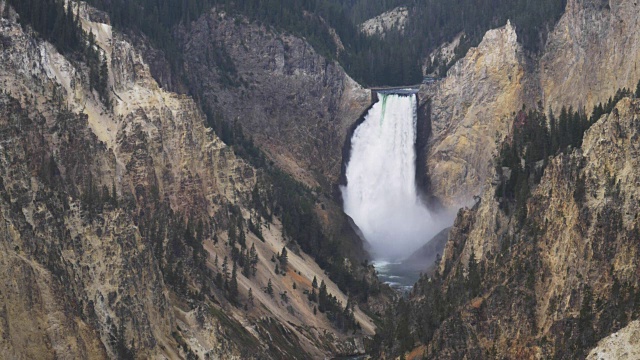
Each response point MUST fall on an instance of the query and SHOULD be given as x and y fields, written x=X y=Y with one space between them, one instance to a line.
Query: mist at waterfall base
x=381 y=194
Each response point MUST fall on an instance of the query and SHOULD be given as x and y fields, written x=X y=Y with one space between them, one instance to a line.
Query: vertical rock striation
x=86 y=273
x=296 y=104
x=589 y=55
x=565 y=277
x=469 y=108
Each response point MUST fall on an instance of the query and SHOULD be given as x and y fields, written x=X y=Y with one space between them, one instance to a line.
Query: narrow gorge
x=319 y=179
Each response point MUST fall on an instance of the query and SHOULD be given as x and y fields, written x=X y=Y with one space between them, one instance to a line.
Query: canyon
x=86 y=185
x=123 y=219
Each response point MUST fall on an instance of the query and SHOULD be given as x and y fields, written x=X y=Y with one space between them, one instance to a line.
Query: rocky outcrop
x=441 y=56
x=426 y=258
x=565 y=277
x=395 y=19
x=469 y=108
x=620 y=345
x=294 y=103
x=97 y=206
x=591 y=53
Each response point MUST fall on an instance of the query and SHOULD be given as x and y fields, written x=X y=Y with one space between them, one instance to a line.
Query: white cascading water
x=381 y=194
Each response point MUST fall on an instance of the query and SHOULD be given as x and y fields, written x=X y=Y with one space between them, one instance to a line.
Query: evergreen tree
x=225 y=272
x=233 y=284
x=250 y=297
x=253 y=259
x=313 y=297
x=474 y=276
x=199 y=231
x=232 y=236
x=323 y=297
x=284 y=260
x=246 y=266
x=242 y=238
x=403 y=332
x=638 y=90
x=314 y=283
x=270 y=288
x=563 y=128
x=104 y=79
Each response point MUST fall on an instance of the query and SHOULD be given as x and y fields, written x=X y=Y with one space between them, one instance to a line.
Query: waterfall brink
x=381 y=194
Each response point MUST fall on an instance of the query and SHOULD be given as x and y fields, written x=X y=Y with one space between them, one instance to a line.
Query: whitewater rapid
x=381 y=194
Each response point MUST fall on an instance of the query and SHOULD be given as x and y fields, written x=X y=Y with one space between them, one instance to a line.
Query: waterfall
x=381 y=194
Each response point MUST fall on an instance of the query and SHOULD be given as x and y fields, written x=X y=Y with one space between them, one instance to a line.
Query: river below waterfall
x=396 y=275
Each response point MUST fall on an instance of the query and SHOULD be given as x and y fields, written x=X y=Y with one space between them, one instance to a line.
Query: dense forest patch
x=395 y=59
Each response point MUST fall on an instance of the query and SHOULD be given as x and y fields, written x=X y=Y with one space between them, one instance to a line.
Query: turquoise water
x=397 y=276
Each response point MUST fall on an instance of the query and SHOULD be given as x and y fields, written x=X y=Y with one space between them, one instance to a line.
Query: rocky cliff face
x=619 y=345
x=555 y=284
x=589 y=56
x=296 y=104
x=469 y=108
x=591 y=53
x=395 y=19
x=98 y=205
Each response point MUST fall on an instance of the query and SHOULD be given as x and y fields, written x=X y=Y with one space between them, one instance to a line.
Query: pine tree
x=638 y=90
x=246 y=266
x=104 y=79
x=474 y=276
x=270 y=288
x=313 y=297
x=403 y=331
x=563 y=128
x=232 y=235
x=241 y=257
x=323 y=297
x=233 y=283
x=225 y=272
x=253 y=258
x=199 y=232
x=242 y=238
x=284 y=260
x=347 y=315
x=314 y=283
x=250 y=297
x=219 y=280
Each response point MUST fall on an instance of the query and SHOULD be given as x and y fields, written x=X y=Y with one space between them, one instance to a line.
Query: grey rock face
x=296 y=104
x=590 y=54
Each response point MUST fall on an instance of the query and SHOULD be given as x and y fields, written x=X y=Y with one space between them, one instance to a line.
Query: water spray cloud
x=381 y=194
